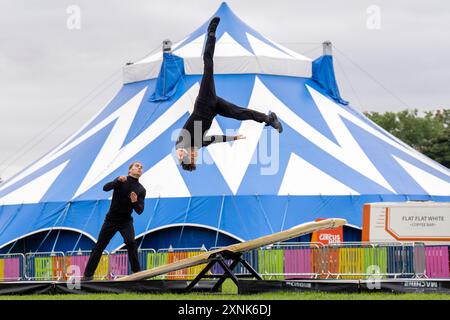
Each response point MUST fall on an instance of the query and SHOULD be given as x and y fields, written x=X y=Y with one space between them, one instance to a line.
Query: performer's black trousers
x=207 y=94
x=108 y=231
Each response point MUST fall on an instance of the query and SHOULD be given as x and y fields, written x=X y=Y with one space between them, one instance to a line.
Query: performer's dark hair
x=132 y=164
x=188 y=166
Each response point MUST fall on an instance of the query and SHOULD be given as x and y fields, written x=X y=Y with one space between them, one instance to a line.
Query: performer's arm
x=111 y=185
x=138 y=205
x=220 y=138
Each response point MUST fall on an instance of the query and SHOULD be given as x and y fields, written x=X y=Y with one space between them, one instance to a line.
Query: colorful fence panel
x=143 y=255
x=102 y=271
x=158 y=259
x=2 y=270
x=325 y=261
x=251 y=257
x=118 y=264
x=420 y=262
x=175 y=257
x=58 y=267
x=375 y=262
x=166 y=256
x=271 y=263
x=192 y=272
x=351 y=261
x=76 y=264
x=45 y=266
x=11 y=267
x=437 y=262
x=400 y=261
x=297 y=263
x=281 y=261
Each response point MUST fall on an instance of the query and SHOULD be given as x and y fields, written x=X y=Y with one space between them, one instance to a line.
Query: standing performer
x=207 y=106
x=128 y=195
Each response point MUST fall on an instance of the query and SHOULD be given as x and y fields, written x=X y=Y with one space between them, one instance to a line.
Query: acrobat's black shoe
x=213 y=26
x=274 y=122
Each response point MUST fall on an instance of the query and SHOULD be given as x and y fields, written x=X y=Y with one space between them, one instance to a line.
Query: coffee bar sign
x=427 y=222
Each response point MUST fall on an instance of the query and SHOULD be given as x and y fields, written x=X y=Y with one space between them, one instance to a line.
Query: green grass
x=229 y=292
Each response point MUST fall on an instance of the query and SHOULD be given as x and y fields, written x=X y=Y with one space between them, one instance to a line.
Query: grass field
x=229 y=292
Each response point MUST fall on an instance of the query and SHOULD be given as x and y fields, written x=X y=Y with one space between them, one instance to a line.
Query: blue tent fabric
x=172 y=71
x=323 y=74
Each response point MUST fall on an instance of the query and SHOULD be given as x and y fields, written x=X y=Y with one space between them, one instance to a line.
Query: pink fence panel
x=12 y=269
x=297 y=261
x=437 y=264
x=118 y=264
x=79 y=261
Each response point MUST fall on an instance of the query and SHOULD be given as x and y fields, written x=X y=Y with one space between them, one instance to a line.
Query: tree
x=429 y=134
x=438 y=148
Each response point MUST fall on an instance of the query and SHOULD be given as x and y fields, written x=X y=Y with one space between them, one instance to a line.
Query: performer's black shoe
x=274 y=122
x=213 y=26
x=87 y=278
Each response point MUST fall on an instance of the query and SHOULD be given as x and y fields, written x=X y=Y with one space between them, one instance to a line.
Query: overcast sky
x=53 y=79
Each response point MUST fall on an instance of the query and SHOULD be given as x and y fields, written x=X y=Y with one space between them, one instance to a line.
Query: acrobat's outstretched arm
x=220 y=138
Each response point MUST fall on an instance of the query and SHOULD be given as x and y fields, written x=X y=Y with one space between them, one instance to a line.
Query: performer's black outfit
x=119 y=219
x=208 y=104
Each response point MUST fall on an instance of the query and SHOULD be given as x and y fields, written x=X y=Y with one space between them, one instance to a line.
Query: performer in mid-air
x=207 y=106
x=128 y=195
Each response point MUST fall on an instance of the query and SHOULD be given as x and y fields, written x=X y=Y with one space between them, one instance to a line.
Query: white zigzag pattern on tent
x=164 y=180
x=303 y=178
x=125 y=116
x=226 y=46
x=232 y=160
x=261 y=48
x=431 y=184
x=33 y=191
x=121 y=155
x=350 y=153
x=386 y=137
x=126 y=111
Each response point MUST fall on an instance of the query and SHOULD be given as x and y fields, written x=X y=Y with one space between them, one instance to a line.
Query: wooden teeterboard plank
x=296 y=231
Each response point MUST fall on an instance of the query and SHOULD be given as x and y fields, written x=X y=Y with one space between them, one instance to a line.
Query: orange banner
x=327 y=236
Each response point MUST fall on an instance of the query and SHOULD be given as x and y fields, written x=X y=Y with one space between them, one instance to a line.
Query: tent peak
x=239 y=50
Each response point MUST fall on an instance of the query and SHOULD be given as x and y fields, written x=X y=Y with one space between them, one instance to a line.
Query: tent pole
x=285 y=213
x=220 y=221
x=185 y=218
x=51 y=229
x=84 y=227
x=264 y=213
x=149 y=221
x=20 y=208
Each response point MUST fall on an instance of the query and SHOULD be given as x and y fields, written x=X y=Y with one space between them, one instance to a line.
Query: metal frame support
x=220 y=258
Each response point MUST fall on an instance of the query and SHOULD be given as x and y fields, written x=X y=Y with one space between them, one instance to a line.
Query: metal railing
x=171 y=255
x=348 y=260
x=76 y=261
x=45 y=266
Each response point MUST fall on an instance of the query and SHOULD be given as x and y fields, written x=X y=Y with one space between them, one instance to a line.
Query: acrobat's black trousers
x=108 y=231
x=208 y=99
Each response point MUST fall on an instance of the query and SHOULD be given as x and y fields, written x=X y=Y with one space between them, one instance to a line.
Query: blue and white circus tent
x=328 y=162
